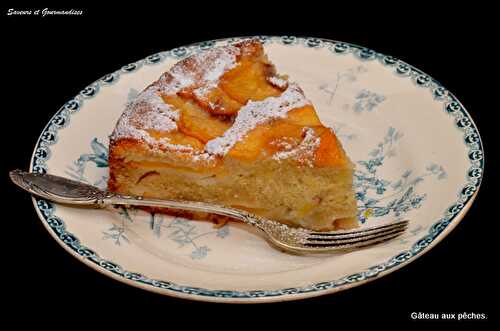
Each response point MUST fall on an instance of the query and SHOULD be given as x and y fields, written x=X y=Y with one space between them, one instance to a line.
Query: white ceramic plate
x=417 y=151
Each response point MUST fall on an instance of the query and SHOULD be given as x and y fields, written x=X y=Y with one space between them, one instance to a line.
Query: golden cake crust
x=205 y=87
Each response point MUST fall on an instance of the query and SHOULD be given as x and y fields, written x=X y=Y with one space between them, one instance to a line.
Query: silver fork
x=298 y=240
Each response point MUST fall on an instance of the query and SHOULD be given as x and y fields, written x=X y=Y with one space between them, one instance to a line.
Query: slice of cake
x=223 y=127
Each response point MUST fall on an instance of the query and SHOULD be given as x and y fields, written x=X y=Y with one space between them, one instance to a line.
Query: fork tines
x=355 y=238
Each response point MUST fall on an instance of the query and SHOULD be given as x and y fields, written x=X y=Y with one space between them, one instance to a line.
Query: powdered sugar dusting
x=255 y=113
x=159 y=121
x=278 y=82
x=163 y=116
x=149 y=111
x=126 y=130
x=203 y=69
x=304 y=152
x=180 y=78
x=225 y=60
x=201 y=92
x=203 y=156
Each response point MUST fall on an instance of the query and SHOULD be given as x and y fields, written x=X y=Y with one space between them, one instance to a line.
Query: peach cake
x=223 y=127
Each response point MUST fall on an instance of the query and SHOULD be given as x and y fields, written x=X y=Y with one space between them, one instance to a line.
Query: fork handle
x=129 y=200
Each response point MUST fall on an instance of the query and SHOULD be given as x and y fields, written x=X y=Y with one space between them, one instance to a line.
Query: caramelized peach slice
x=283 y=136
x=248 y=82
x=305 y=116
x=279 y=144
x=328 y=152
x=216 y=101
x=264 y=138
x=282 y=128
x=196 y=122
x=252 y=145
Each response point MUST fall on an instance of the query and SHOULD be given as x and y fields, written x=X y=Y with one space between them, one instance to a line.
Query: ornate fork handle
x=67 y=191
x=118 y=199
x=279 y=231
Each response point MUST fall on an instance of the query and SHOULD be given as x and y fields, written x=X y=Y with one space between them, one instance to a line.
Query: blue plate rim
x=437 y=232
